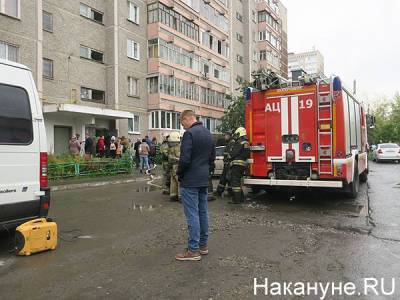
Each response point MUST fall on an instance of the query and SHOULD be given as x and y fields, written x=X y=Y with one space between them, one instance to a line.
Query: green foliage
x=235 y=114
x=387 y=121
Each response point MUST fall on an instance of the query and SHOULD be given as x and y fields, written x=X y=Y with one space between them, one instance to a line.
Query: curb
x=95 y=184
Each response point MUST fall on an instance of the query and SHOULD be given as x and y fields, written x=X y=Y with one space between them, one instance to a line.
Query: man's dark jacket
x=197 y=155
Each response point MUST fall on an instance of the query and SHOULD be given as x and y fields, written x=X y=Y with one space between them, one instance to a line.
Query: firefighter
x=174 y=152
x=224 y=179
x=210 y=191
x=238 y=162
x=166 y=166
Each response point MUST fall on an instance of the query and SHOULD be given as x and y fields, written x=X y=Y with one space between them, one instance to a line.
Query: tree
x=235 y=114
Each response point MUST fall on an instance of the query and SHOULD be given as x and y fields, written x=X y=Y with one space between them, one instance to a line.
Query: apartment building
x=89 y=63
x=131 y=67
x=258 y=37
x=312 y=62
x=188 y=66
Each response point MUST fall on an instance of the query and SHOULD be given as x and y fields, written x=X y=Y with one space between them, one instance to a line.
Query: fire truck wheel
x=364 y=176
x=354 y=186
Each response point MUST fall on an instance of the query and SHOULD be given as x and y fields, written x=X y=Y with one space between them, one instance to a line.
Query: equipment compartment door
x=304 y=124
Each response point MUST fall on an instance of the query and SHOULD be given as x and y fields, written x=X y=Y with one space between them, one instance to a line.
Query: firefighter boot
x=219 y=191
x=237 y=196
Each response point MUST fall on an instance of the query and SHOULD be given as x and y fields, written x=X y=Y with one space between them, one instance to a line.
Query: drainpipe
x=116 y=61
x=39 y=49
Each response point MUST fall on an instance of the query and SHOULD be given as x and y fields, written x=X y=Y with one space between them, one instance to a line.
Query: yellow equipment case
x=35 y=236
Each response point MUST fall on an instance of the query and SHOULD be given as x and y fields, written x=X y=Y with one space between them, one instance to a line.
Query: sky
x=359 y=39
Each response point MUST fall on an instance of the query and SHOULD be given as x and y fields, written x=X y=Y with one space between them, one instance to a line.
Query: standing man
x=88 y=147
x=224 y=180
x=136 y=148
x=174 y=153
x=238 y=163
x=166 y=166
x=197 y=155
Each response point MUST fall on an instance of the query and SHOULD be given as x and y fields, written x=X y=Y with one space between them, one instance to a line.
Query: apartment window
x=133 y=86
x=8 y=52
x=92 y=95
x=263 y=55
x=239 y=37
x=91 y=13
x=91 y=54
x=153 y=48
x=134 y=125
x=48 y=68
x=239 y=17
x=262 y=35
x=47 y=21
x=133 y=50
x=133 y=13
x=262 y=16
x=152 y=85
x=239 y=58
x=10 y=8
x=253 y=16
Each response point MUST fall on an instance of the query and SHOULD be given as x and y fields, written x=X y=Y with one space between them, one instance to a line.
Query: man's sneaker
x=204 y=250
x=188 y=255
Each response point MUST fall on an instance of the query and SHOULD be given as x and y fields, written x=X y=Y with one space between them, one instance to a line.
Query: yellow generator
x=35 y=236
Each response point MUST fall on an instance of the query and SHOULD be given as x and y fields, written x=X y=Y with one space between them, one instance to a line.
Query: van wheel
x=354 y=186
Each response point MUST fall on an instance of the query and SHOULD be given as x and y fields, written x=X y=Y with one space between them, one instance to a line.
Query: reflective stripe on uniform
x=236 y=189
x=238 y=163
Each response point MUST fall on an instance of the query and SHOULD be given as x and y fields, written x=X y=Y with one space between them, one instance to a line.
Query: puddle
x=141 y=208
x=146 y=189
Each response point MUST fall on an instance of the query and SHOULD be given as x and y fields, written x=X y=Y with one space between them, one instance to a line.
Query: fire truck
x=306 y=133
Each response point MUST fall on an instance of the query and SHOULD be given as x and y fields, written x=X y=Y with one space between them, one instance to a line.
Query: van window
x=15 y=116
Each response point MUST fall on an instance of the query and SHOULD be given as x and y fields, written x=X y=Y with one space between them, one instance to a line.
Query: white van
x=24 y=191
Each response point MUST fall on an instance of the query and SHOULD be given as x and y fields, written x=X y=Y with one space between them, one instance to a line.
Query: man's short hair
x=187 y=114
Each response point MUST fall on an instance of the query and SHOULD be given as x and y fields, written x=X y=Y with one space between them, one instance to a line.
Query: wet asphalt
x=119 y=242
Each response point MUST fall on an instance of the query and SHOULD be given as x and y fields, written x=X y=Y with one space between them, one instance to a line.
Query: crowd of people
x=143 y=150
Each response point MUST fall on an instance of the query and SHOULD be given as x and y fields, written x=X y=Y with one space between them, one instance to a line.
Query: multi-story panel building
x=311 y=62
x=259 y=38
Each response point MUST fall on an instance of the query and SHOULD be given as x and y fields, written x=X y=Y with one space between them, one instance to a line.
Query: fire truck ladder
x=325 y=134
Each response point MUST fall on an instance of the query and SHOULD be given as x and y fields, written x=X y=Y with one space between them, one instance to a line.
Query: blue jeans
x=195 y=206
x=144 y=162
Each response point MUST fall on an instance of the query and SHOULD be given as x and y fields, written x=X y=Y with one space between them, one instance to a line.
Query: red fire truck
x=306 y=133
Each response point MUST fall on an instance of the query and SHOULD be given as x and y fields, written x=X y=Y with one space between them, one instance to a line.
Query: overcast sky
x=359 y=39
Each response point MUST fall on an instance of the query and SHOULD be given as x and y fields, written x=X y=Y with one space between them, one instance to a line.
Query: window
x=133 y=13
x=10 y=8
x=239 y=58
x=89 y=53
x=263 y=55
x=165 y=120
x=152 y=85
x=133 y=86
x=15 y=116
x=133 y=50
x=47 y=68
x=239 y=37
x=262 y=35
x=253 y=16
x=239 y=17
x=91 y=13
x=47 y=21
x=8 y=52
x=134 y=125
x=254 y=55
x=92 y=95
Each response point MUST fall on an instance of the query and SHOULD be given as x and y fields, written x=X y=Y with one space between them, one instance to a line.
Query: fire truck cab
x=306 y=133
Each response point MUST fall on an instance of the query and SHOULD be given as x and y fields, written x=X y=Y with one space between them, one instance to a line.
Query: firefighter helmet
x=240 y=132
x=174 y=137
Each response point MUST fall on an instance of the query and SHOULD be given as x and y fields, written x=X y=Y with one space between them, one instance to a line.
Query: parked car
x=387 y=152
x=24 y=192
x=219 y=160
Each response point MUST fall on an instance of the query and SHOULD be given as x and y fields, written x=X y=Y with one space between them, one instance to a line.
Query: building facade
x=109 y=67
x=311 y=62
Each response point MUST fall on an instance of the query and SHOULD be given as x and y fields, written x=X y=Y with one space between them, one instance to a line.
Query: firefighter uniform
x=174 y=152
x=210 y=196
x=238 y=163
x=225 y=176
x=166 y=166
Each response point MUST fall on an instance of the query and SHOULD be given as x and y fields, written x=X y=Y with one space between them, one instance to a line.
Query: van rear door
x=19 y=145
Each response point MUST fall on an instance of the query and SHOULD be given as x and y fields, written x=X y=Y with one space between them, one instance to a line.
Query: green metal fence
x=103 y=167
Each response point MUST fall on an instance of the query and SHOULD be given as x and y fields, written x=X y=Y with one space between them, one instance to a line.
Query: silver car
x=387 y=152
